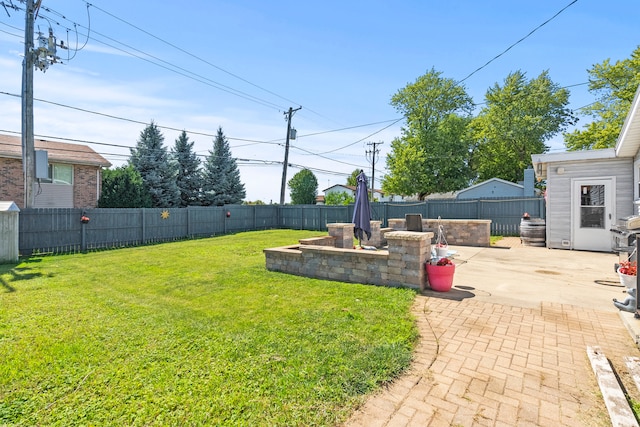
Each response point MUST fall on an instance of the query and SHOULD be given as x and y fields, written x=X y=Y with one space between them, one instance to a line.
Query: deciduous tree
x=433 y=153
x=338 y=198
x=614 y=86
x=122 y=187
x=352 y=180
x=519 y=117
x=304 y=188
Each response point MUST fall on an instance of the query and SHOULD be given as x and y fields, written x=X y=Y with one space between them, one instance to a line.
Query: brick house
x=74 y=174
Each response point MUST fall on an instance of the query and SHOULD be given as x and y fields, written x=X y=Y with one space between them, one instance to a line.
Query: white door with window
x=593 y=213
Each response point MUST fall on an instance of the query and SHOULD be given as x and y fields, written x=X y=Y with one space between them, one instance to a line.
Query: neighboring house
x=351 y=190
x=587 y=191
x=74 y=174
x=496 y=187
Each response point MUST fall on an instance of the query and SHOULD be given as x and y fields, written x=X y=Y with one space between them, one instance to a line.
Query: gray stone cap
x=408 y=235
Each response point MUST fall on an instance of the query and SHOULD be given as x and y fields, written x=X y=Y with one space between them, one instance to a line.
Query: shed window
x=592 y=207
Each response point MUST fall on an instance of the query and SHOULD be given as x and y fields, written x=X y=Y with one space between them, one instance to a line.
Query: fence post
x=144 y=228
x=83 y=237
x=189 y=222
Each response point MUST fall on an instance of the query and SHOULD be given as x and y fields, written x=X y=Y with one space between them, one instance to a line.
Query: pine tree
x=151 y=160
x=221 y=178
x=189 y=177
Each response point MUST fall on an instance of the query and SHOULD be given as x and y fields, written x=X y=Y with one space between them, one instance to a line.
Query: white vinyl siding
x=559 y=196
x=53 y=195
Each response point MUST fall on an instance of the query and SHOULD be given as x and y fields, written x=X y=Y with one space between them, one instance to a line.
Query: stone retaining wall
x=461 y=232
x=401 y=265
x=333 y=257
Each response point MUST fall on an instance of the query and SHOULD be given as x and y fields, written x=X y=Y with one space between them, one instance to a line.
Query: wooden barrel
x=533 y=232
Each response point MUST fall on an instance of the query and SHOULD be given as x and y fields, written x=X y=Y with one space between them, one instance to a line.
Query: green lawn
x=192 y=333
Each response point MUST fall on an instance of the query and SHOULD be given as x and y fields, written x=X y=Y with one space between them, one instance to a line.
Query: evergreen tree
x=221 y=178
x=151 y=160
x=304 y=188
x=189 y=177
x=123 y=188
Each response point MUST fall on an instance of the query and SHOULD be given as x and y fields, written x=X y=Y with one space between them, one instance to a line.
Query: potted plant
x=440 y=274
x=628 y=271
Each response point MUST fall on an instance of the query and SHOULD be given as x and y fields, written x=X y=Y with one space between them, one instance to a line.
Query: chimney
x=529 y=181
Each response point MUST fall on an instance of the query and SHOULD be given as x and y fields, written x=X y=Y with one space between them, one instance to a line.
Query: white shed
x=589 y=191
x=9 y=232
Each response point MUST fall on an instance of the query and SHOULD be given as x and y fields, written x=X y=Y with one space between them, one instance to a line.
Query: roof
x=540 y=161
x=483 y=183
x=628 y=141
x=349 y=187
x=60 y=152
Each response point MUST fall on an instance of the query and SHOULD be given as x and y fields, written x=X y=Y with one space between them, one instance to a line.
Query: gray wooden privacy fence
x=60 y=230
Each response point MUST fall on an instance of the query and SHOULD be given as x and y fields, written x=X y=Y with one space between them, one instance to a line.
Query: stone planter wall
x=462 y=232
x=401 y=265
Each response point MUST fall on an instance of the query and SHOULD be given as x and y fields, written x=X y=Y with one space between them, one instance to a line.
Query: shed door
x=592 y=214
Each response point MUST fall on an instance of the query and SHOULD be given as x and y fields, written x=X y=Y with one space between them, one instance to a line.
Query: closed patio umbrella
x=362 y=209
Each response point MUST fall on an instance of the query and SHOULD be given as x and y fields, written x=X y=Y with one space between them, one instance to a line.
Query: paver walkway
x=485 y=364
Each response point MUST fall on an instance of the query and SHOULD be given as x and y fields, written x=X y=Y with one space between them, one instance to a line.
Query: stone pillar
x=376 y=238
x=343 y=233
x=408 y=253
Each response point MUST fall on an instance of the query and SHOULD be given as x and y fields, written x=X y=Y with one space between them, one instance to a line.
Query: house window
x=592 y=207
x=60 y=174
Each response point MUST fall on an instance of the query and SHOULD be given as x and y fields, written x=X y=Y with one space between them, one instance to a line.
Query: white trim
x=631 y=123
x=612 y=199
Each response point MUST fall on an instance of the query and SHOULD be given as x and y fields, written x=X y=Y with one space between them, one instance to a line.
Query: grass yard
x=192 y=333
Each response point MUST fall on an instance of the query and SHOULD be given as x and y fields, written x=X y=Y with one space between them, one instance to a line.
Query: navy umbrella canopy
x=362 y=209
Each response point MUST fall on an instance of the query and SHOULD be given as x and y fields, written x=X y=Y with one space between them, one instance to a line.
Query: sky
x=240 y=65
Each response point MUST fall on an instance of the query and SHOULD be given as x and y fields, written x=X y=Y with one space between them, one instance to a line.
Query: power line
x=132 y=120
x=362 y=139
x=519 y=41
x=200 y=59
x=251 y=141
x=173 y=68
x=241 y=161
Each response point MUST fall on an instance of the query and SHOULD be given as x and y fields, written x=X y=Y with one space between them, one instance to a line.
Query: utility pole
x=28 y=147
x=289 y=114
x=42 y=58
x=371 y=156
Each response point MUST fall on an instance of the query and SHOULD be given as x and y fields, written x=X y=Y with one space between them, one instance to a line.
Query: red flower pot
x=440 y=277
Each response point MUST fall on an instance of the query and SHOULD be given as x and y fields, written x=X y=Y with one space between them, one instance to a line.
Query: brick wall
x=85 y=184
x=12 y=181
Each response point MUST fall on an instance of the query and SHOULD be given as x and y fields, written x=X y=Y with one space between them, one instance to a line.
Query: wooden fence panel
x=60 y=230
